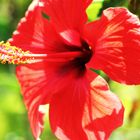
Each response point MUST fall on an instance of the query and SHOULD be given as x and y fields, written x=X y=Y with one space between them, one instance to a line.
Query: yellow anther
x=13 y=55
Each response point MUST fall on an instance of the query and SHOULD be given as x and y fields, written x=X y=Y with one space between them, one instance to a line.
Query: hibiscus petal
x=102 y=107
x=115 y=39
x=37 y=84
x=87 y=3
x=66 y=14
x=81 y=111
x=35 y=33
x=33 y=85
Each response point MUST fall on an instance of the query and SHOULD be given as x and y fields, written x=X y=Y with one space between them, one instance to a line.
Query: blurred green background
x=14 y=123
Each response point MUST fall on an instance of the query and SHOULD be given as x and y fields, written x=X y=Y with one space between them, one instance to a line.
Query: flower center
x=13 y=55
x=86 y=54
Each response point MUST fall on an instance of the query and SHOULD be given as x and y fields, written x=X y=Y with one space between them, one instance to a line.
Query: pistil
x=14 y=55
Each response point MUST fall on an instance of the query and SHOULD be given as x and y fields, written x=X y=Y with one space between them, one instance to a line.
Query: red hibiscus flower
x=65 y=47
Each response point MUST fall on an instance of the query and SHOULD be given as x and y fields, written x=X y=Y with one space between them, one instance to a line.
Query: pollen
x=13 y=55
